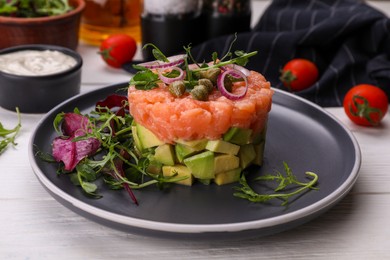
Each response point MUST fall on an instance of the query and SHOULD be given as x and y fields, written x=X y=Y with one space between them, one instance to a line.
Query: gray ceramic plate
x=299 y=133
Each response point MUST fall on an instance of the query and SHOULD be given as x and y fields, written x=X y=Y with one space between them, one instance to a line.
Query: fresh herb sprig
x=8 y=136
x=146 y=79
x=157 y=53
x=246 y=192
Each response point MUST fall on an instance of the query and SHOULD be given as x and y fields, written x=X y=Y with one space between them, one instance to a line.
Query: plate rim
x=181 y=228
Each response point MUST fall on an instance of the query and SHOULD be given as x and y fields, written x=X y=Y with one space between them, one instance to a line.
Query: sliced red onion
x=156 y=64
x=242 y=69
x=224 y=91
x=168 y=80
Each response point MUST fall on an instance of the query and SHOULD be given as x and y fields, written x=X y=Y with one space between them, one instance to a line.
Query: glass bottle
x=171 y=24
x=104 y=17
x=227 y=16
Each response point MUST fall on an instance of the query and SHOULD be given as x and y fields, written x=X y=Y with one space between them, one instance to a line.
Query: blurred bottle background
x=104 y=17
x=226 y=16
x=171 y=24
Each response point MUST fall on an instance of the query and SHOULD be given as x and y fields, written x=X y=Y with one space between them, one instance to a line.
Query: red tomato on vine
x=299 y=74
x=366 y=104
x=118 y=49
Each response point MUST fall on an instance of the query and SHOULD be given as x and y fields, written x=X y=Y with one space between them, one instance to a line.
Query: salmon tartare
x=203 y=123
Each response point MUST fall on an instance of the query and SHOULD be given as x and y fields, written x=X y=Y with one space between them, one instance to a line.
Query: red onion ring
x=168 y=80
x=242 y=69
x=223 y=90
x=156 y=64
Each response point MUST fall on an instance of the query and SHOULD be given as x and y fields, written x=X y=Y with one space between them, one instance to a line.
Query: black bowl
x=39 y=94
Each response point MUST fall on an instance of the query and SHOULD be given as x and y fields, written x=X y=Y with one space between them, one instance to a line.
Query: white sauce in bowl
x=35 y=62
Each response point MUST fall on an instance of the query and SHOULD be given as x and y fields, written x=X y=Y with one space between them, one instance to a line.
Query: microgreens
x=36 y=8
x=116 y=161
x=8 y=136
x=146 y=79
x=246 y=192
x=157 y=53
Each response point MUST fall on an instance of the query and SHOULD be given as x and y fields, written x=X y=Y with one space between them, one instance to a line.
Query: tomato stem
x=287 y=77
x=364 y=110
x=106 y=54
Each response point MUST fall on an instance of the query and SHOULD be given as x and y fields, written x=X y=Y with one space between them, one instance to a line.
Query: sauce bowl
x=39 y=93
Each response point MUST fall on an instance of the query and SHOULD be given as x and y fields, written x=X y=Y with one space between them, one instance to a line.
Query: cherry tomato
x=366 y=104
x=299 y=74
x=118 y=49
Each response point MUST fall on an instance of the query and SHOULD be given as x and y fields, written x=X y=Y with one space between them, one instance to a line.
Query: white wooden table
x=35 y=226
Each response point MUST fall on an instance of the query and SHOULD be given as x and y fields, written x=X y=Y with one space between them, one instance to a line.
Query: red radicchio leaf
x=112 y=101
x=64 y=150
x=73 y=122
x=71 y=153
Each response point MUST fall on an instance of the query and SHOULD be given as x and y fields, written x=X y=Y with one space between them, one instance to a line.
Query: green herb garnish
x=7 y=136
x=116 y=161
x=146 y=79
x=284 y=181
x=33 y=8
x=157 y=53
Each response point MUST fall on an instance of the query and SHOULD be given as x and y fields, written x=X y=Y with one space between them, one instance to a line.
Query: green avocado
x=237 y=135
x=137 y=142
x=259 y=136
x=183 y=151
x=201 y=165
x=225 y=162
x=220 y=146
x=259 y=148
x=198 y=145
x=164 y=154
x=180 y=171
x=146 y=138
x=228 y=176
x=247 y=154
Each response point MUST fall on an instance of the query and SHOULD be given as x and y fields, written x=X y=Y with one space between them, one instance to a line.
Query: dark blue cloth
x=348 y=40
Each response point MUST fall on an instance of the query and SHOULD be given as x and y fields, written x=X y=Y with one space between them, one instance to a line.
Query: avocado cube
x=220 y=146
x=228 y=176
x=259 y=137
x=146 y=138
x=201 y=165
x=198 y=145
x=137 y=142
x=183 y=151
x=164 y=154
x=180 y=171
x=247 y=154
x=259 y=148
x=225 y=162
x=237 y=135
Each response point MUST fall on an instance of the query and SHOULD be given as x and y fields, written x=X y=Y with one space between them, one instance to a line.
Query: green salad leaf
x=33 y=8
x=8 y=136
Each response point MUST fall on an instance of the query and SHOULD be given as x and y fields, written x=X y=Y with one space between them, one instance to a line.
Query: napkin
x=348 y=40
